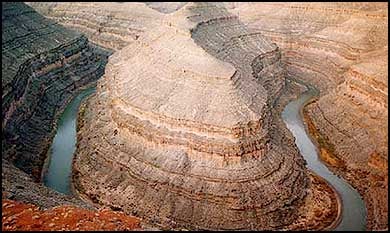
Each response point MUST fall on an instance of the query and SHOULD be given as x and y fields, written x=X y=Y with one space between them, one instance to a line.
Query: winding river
x=61 y=154
x=353 y=208
x=58 y=174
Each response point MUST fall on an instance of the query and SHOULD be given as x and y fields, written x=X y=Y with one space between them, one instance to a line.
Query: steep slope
x=43 y=66
x=189 y=133
x=112 y=25
x=342 y=49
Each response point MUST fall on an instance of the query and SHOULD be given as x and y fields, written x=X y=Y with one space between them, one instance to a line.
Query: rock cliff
x=189 y=132
x=18 y=185
x=342 y=49
x=43 y=66
x=112 y=25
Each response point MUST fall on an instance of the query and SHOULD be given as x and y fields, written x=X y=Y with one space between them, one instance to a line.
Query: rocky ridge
x=190 y=128
x=43 y=66
x=112 y=25
x=342 y=49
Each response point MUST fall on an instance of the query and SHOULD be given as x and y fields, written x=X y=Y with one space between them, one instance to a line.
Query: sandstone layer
x=112 y=25
x=188 y=130
x=43 y=66
x=342 y=49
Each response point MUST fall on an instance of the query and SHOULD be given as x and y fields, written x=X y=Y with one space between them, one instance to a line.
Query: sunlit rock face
x=43 y=65
x=112 y=25
x=183 y=133
x=342 y=49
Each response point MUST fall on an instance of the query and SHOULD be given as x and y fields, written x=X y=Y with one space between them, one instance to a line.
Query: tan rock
x=192 y=149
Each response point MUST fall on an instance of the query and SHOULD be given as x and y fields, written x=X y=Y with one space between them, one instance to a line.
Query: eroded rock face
x=43 y=65
x=319 y=41
x=112 y=25
x=342 y=49
x=188 y=135
x=18 y=185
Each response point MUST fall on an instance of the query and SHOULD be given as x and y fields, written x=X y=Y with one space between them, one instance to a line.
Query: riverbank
x=368 y=184
x=322 y=209
x=56 y=171
x=20 y=186
x=326 y=149
x=354 y=211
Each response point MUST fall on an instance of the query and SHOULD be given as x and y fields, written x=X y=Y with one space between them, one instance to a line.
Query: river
x=63 y=147
x=58 y=174
x=353 y=207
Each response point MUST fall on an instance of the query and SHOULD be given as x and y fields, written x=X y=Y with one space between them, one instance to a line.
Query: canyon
x=341 y=48
x=184 y=130
x=194 y=129
x=111 y=25
x=43 y=66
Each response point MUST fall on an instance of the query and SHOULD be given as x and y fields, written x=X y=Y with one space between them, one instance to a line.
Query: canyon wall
x=111 y=25
x=18 y=185
x=189 y=135
x=342 y=49
x=43 y=66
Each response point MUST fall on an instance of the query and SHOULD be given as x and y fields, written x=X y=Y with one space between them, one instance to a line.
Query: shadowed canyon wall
x=342 y=48
x=111 y=25
x=43 y=66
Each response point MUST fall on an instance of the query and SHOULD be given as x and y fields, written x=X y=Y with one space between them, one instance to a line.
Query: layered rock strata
x=112 y=25
x=43 y=66
x=188 y=136
x=319 y=41
x=342 y=49
x=355 y=145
